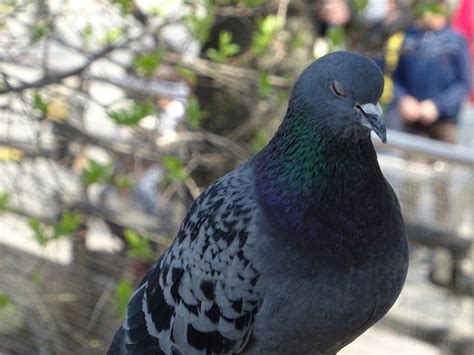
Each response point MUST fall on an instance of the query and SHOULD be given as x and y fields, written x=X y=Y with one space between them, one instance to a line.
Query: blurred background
x=116 y=114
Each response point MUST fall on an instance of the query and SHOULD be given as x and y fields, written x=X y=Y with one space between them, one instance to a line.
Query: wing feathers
x=200 y=297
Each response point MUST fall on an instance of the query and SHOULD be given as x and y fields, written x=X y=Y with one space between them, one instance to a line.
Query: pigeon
x=299 y=250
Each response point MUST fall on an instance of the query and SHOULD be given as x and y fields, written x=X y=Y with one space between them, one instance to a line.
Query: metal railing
x=431 y=148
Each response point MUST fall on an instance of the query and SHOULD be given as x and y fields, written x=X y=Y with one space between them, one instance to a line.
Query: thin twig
x=58 y=77
x=214 y=139
x=99 y=306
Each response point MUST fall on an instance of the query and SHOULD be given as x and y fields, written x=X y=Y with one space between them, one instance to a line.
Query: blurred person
x=430 y=83
x=388 y=13
x=432 y=77
x=376 y=10
x=332 y=15
x=334 y=12
x=387 y=21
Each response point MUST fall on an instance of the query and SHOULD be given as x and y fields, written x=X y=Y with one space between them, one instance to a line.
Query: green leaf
x=194 y=114
x=86 y=32
x=254 y=2
x=132 y=115
x=199 y=25
x=174 y=169
x=96 y=172
x=336 y=35
x=113 y=35
x=249 y=3
x=4 y=200
x=68 y=224
x=146 y=64
x=139 y=246
x=157 y=11
x=282 y=97
x=39 y=103
x=264 y=85
x=186 y=74
x=267 y=29
x=7 y=7
x=225 y=44
x=39 y=31
x=225 y=50
x=360 y=5
x=5 y=300
x=297 y=41
x=11 y=3
x=435 y=8
x=39 y=231
x=123 y=292
x=37 y=278
x=260 y=140
x=125 y=6
x=214 y=55
x=123 y=182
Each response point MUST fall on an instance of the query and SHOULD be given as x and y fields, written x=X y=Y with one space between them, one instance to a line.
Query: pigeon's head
x=341 y=91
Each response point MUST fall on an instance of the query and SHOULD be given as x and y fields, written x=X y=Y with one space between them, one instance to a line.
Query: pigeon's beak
x=372 y=119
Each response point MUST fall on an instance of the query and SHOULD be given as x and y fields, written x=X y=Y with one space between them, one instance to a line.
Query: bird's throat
x=310 y=175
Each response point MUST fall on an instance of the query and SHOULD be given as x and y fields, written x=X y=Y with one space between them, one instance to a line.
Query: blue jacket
x=434 y=65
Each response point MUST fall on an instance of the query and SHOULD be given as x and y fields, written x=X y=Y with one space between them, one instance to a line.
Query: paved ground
x=379 y=341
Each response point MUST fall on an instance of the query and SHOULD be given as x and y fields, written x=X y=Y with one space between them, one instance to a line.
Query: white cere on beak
x=370 y=109
x=371 y=118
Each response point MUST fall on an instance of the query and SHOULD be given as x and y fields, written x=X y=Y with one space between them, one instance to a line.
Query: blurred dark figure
x=333 y=13
x=381 y=19
x=332 y=17
x=384 y=24
x=432 y=77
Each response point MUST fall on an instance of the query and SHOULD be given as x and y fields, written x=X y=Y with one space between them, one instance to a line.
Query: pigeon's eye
x=338 y=89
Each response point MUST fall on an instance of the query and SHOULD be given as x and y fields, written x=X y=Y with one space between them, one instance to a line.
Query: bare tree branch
x=58 y=77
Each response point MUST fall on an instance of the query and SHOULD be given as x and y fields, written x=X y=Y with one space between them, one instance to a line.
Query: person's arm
x=399 y=89
x=408 y=106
